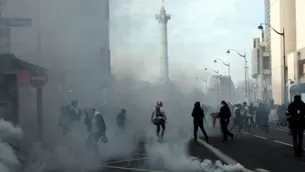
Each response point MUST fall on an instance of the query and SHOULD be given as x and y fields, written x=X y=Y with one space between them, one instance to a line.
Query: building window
x=266 y=63
x=301 y=69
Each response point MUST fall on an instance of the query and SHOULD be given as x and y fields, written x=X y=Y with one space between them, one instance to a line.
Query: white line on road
x=285 y=130
x=225 y=158
x=245 y=133
x=278 y=129
x=283 y=143
x=261 y=137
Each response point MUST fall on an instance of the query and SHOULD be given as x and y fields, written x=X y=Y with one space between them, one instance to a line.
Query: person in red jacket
x=158 y=118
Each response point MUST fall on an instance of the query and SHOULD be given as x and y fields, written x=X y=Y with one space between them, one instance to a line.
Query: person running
x=158 y=118
x=224 y=116
x=96 y=127
x=198 y=117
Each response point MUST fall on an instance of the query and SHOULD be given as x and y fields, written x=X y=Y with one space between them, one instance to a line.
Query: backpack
x=158 y=111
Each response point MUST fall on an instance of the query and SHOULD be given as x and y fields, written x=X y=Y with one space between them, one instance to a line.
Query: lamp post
x=205 y=82
x=217 y=73
x=229 y=74
x=284 y=55
x=246 y=67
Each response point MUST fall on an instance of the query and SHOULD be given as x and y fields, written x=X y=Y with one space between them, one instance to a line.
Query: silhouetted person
x=224 y=116
x=296 y=118
x=252 y=111
x=198 y=117
x=68 y=114
x=121 y=119
x=262 y=117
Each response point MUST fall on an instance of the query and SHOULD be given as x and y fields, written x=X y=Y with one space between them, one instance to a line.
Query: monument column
x=163 y=19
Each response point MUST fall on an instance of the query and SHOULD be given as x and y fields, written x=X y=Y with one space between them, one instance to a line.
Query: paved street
x=258 y=150
x=139 y=161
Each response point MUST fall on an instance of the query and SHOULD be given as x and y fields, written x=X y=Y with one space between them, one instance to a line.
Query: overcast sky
x=199 y=31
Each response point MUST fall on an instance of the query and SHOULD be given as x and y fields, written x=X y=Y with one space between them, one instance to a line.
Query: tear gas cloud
x=72 y=50
x=9 y=137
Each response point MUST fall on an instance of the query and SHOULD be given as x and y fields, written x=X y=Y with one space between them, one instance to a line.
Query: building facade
x=74 y=48
x=261 y=70
x=287 y=15
x=221 y=87
x=267 y=35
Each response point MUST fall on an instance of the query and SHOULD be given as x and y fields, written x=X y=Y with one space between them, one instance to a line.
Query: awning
x=10 y=63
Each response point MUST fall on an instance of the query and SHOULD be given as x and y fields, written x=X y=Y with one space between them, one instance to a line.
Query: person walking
x=198 y=117
x=224 y=116
x=296 y=119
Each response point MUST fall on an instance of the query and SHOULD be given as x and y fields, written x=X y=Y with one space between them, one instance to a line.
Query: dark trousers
x=91 y=143
x=225 y=130
x=160 y=123
x=200 y=125
x=236 y=123
x=297 y=131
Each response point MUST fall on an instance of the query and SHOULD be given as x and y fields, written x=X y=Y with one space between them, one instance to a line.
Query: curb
x=223 y=157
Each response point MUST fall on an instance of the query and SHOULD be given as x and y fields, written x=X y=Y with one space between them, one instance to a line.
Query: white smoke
x=9 y=136
x=172 y=156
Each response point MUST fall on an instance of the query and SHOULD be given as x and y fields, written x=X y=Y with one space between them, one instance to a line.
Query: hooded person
x=224 y=116
x=121 y=119
x=296 y=119
x=198 y=117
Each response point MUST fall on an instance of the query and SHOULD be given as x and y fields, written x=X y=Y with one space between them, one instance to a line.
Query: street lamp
x=284 y=55
x=245 y=58
x=229 y=74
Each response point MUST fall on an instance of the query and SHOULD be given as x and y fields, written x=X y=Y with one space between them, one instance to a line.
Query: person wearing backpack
x=158 y=118
x=296 y=118
x=224 y=116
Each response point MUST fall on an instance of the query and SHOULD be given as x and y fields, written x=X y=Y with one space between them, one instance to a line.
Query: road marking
x=261 y=137
x=283 y=143
x=261 y=170
x=130 y=169
x=245 y=132
x=127 y=160
x=279 y=129
x=225 y=158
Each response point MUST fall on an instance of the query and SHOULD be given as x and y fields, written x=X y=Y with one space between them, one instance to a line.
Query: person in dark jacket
x=198 y=117
x=262 y=117
x=224 y=115
x=296 y=119
x=69 y=114
x=121 y=119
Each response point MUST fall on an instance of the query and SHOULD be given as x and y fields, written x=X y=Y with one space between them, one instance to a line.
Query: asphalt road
x=259 y=150
x=139 y=161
